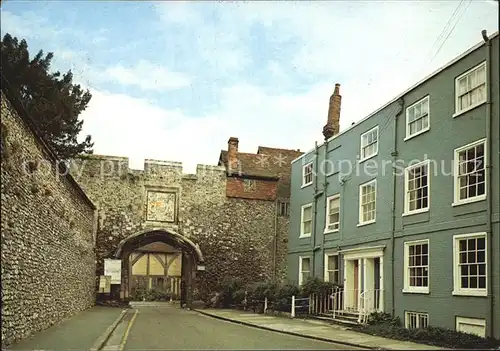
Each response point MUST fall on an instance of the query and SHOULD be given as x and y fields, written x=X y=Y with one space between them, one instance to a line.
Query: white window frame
x=304 y=167
x=361 y=158
x=327 y=215
x=300 y=268
x=479 y=66
x=407 y=210
x=473 y=321
x=457 y=290
x=413 y=106
x=326 y=278
x=415 y=289
x=360 y=207
x=417 y=315
x=302 y=234
x=456 y=185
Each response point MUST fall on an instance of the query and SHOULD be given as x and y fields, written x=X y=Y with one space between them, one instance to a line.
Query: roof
x=268 y=162
x=416 y=85
x=26 y=118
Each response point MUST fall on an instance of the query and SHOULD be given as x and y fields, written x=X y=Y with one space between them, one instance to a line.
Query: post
x=265 y=305
x=292 y=314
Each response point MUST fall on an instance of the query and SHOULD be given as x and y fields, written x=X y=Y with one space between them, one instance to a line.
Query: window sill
x=304 y=236
x=365 y=223
x=367 y=158
x=415 y=212
x=330 y=231
x=408 y=137
x=411 y=291
x=478 y=293
x=456 y=114
x=305 y=185
x=469 y=201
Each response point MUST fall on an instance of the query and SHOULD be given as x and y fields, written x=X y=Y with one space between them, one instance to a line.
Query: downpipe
x=325 y=187
x=488 y=177
x=315 y=209
x=394 y=155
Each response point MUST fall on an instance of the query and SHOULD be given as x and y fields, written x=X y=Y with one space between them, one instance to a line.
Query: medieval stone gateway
x=159 y=259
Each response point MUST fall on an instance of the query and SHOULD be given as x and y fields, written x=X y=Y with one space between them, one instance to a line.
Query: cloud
x=124 y=126
x=147 y=76
x=267 y=70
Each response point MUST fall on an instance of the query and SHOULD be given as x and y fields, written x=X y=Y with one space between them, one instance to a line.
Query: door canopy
x=166 y=236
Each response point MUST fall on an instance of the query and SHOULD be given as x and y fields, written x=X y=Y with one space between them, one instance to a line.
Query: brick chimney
x=332 y=126
x=232 y=153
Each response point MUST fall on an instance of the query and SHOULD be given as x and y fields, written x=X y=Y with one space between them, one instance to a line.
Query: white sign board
x=201 y=268
x=113 y=268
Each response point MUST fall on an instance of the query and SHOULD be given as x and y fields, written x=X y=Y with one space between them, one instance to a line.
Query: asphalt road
x=167 y=328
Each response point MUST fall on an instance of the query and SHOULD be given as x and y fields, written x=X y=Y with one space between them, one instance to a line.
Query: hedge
x=231 y=293
x=384 y=325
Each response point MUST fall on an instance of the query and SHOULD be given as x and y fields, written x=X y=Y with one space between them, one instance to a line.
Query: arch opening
x=158 y=260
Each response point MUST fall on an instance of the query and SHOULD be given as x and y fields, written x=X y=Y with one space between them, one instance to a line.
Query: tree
x=51 y=99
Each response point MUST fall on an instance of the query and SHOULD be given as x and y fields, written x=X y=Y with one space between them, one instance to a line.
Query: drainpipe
x=325 y=187
x=394 y=155
x=488 y=170
x=315 y=208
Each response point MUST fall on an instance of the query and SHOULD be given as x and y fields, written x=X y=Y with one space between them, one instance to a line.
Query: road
x=168 y=328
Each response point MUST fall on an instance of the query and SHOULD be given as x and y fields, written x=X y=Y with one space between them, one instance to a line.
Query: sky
x=173 y=80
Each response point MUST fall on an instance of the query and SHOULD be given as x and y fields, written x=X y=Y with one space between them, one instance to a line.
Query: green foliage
x=315 y=285
x=279 y=297
x=383 y=318
x=51 y=99
x=150 y=295
x=384 y=325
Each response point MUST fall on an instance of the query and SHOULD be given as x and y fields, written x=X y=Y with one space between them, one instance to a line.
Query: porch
x=363 y=288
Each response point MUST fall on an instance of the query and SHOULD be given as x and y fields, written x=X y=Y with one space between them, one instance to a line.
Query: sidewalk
x=314 y=329
x=84 y=331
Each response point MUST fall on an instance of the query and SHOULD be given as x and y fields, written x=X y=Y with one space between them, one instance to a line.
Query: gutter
x=394 y=155
x=488 y=178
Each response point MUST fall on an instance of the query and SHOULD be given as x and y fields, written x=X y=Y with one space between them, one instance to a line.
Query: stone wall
x=48 y=260
x=235 y=235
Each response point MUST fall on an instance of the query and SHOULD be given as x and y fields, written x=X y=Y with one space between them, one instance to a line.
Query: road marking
x=127 y=331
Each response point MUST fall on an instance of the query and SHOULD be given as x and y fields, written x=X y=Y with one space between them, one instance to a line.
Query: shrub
x=383 y=324
x=150 y=295
x=315 y=285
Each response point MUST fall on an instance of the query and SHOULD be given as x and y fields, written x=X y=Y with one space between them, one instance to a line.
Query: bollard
x=265 y=305
x=292 y=314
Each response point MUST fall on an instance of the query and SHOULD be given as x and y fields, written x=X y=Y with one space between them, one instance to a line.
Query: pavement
x=79 y=332
x=317 y=330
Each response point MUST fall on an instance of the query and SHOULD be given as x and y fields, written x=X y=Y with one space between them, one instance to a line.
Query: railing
x=340 y=300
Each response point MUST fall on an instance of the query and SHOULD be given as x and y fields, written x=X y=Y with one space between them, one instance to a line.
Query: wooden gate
x=157 y=272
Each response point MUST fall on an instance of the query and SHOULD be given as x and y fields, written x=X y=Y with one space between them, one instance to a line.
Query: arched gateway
x=160 y=260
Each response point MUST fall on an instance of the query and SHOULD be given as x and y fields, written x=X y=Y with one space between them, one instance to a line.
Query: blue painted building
x=402 y=208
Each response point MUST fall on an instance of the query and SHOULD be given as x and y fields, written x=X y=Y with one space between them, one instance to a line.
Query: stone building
x=47 y=221
x=168 y=228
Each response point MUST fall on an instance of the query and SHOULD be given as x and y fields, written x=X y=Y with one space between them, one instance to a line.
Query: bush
x=150 y=295
x=383 y=324
x=227 y=289
x=315 y=285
